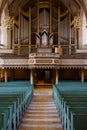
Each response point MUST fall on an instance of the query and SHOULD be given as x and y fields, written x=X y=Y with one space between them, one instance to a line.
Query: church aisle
x=41 y=113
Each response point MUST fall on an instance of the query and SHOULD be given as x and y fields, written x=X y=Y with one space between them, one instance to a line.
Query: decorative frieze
x=43 y=63
x=31 y=61
x=73 y=62
x=56 y=61
x=15 y=62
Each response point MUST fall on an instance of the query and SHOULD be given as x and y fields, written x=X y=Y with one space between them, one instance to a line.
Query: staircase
x=41 y=114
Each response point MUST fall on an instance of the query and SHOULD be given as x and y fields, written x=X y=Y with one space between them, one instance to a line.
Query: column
x=37 y=17
x=75 y=39
x=50 y=16
x=57 y=76
x=19 y=31
x=9 y=38
x=29 y=30
x=5 y=76
x=82 y=75
x=59 y=27
x=31 y=76
x=70 y=33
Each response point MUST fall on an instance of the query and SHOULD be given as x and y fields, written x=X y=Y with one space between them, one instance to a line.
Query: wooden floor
x=41 y=114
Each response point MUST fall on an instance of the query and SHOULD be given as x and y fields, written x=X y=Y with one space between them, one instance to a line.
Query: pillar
x=82 y=75
x=19 y=31
x=70 y=33
x=59 y=27
x=31 y=76
x=75 y=39
x=5 y=76
x=9 y=37
x=57 y=76
x=29 y=30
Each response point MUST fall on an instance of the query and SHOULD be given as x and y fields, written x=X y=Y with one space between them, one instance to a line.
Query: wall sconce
x=8 y=22
x=77 y=22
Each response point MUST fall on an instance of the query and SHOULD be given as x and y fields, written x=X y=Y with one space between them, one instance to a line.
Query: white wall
x=3 y=30
x=84 y=31
x=5 y=33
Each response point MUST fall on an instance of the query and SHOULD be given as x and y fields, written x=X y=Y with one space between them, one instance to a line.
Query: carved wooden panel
x=46 y=61
x=44 y=50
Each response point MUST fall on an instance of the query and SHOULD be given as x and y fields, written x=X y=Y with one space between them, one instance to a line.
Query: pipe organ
x=45 y=25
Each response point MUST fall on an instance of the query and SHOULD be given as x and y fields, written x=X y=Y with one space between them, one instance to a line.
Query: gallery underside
x=43 y=77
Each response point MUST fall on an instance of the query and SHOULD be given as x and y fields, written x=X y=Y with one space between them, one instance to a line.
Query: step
x=41 y=125
x=41 y=114
x=41 y=110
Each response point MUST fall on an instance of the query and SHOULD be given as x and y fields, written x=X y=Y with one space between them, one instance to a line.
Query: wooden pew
x=68 y=104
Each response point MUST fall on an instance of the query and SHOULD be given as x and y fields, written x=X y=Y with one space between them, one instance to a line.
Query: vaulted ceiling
x=0 y=2
x=13 y=5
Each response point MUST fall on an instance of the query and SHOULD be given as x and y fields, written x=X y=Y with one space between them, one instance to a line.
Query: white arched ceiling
x=0 y=2
x=10 y=1
x=85 y=1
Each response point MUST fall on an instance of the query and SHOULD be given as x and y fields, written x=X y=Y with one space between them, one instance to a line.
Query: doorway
x=43 y=76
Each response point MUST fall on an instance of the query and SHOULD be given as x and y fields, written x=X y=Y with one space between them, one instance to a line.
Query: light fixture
x=8 y=22
x=77 y=22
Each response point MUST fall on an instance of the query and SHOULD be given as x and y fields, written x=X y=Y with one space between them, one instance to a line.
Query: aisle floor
x=41 y=114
